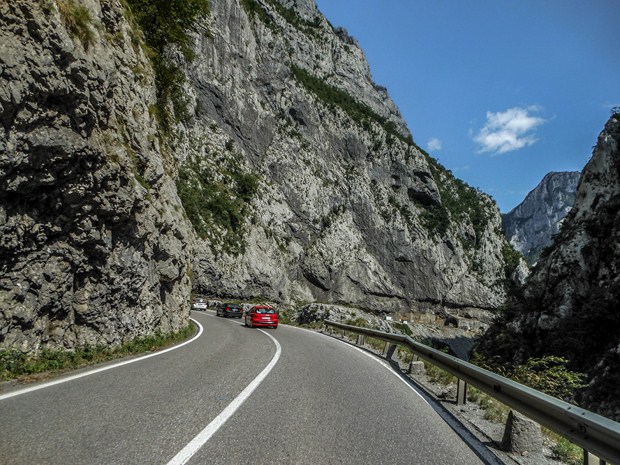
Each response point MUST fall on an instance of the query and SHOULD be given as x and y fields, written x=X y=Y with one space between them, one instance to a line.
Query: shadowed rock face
x=531 y=225
x=570 y=302
x=93 y=249
x=296 y=170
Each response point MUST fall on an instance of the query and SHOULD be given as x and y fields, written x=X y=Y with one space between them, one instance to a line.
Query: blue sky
x=501 y=92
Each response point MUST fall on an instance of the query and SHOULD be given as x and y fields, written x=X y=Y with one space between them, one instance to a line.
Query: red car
x=261 y=315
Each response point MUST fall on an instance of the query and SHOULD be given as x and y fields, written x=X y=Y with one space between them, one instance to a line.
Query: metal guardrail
x=593 y=432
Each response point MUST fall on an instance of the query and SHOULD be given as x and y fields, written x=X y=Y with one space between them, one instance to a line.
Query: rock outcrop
x=531 y=225
x=292 y=177
x=569 y=305
x=93 y=248
x=348 y=209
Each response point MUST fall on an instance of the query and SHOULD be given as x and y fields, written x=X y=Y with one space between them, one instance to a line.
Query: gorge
x=275 y=168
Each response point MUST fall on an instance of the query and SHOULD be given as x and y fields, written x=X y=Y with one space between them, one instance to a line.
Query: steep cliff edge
x=93 y=245
x=570 y=302
x=347 y=208
x=287 y=174
x=531 y=225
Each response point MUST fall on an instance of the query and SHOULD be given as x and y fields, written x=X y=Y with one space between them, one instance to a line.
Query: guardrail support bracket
x=391 y=348
x=461 y=392
x=591 y=459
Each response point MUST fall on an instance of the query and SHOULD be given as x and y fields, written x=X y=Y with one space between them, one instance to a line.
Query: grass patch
x=493 y=409
x=335 y=97
x=16 y=365
x=374 y=343
x=437 y=375
x=404 y=354
x=359 y=322
x=564 y=450
x=78 y=21
x=143 y=182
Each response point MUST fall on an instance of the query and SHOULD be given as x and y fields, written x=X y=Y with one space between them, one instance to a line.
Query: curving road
x=311 y=400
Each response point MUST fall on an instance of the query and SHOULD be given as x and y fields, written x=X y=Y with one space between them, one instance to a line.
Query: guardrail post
x=360 y=339
x=591 y=459
x=587 y=429
x=461 y=392
x=391 y=348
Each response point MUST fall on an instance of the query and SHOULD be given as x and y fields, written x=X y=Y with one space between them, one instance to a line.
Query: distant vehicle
x=227 y=310
x=261 y=315
x=199 y=304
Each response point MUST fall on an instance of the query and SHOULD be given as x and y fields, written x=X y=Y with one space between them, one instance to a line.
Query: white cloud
x=509 y=130
x=433 y=144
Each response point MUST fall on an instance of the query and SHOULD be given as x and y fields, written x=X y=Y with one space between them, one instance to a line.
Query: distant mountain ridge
x=569 y=304
x=531 y=225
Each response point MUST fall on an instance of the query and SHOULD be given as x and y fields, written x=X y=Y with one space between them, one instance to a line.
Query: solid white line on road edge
x=372 y=356
x=201 y=438
x=99 y=370
x=385 y=365
x=467 y=436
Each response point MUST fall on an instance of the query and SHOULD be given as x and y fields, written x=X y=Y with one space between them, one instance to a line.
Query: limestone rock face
x=348 y=206
x=531 y=225
x=293 y=178
x=93 y=249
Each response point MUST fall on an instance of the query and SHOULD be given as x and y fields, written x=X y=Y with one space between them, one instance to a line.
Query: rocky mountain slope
x=347 y=209
x=279 y=170
x=570 y=303
x=531 y=225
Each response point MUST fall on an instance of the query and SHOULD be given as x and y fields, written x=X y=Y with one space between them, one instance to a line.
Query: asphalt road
x=323 y=402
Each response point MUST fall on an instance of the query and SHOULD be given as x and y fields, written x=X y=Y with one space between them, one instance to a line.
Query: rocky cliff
x=570 y=303
x=93 y=246
x=347 y=208
x=288 y=175
x=531 y=225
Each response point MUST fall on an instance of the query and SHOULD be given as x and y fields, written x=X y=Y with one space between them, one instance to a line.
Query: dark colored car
x=227 y=310
x=261 y=315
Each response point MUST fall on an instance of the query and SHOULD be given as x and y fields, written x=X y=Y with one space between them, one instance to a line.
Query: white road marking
x=367 y=354
x=99 y=370
x=467 y=436
x=201 y=438
x=385 y=365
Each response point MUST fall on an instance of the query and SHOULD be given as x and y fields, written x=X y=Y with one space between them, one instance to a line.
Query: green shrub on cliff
x=335 y=97
x=218 y=203
x=167 y=23
x=254 y=8
x=511 y=258
x=458 y=201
